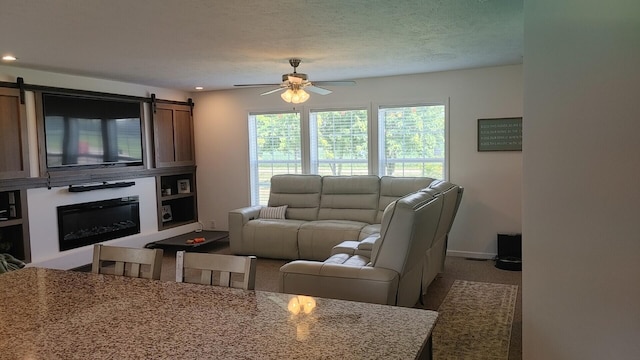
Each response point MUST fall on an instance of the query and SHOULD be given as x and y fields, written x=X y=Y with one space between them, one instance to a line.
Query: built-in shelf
x=177 y=199
x=171 y=148
x=10 y=222
x=14 y=231
x=177 y=196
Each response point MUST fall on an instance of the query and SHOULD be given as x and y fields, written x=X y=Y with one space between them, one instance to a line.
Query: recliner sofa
x=321 y=213
x=392 y=274
x=329 y=221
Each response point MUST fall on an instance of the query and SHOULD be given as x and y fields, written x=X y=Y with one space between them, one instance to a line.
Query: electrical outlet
x=212 y=224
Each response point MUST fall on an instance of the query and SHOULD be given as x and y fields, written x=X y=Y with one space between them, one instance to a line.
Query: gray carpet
x=475 y=321
x=457 y=268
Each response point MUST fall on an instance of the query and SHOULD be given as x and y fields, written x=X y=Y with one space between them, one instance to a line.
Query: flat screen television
x=84 y=131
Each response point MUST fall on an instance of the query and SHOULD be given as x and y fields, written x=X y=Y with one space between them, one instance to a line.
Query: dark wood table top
x=180 y=242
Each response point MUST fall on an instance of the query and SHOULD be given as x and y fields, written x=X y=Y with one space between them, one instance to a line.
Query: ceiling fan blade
x=273 y=91
x=317 y=90
x=334 y=83
x=255 y=85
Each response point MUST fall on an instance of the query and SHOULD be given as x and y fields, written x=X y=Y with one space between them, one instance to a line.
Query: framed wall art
x=501 y=134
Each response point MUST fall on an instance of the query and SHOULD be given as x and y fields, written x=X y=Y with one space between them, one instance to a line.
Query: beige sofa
x=321 y=213
x=391 y=274
x=362 y=238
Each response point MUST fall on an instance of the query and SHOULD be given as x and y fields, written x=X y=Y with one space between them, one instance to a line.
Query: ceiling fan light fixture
x=292 y=85
x=295 y=96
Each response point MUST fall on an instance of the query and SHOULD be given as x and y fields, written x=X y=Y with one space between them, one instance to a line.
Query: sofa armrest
x=346 y=247
x=246 y=213
x=356 y=283
x=237 y=219
x=365 y=247
x=353 y=247
x=368 y=242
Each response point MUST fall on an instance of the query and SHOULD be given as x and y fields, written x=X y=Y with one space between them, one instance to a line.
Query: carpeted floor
x=456 y=268
x=475 y=321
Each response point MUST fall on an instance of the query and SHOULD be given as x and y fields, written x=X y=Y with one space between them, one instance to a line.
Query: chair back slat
x=225 y=278
x=135 y=270
x=119 y=268
x=222 y=265
x=127 y=261
x=206 y=277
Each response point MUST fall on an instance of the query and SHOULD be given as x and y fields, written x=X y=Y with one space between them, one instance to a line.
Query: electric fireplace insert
x=94 y=222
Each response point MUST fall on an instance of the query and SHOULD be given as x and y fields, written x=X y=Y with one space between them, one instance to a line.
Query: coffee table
x=180 y=242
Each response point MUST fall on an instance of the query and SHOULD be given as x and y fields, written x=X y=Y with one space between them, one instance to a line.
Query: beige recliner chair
x=436 y=253
x=393 y=274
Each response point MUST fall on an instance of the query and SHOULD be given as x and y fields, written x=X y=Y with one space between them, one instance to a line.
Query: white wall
x=581 y=200
x=43 y=220
x=492 y=180
x=42 y=202
x=491 y=203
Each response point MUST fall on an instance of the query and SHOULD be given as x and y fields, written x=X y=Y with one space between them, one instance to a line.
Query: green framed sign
x=504 y=134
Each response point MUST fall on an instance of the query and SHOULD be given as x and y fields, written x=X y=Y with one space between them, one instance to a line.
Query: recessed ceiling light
x=199 y=88
x=9 y=58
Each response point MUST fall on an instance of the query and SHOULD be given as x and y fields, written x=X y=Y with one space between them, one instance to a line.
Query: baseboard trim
x=470 y=254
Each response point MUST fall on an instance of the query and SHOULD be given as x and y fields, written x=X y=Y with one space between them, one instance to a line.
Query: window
x=412 y=141
x=339 y=142
x=274 y=148
x=406 y=140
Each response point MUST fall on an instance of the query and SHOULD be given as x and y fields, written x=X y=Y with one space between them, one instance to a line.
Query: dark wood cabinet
x=14 y=158
x=173 y=135
x=177 y=199
x=14 y=226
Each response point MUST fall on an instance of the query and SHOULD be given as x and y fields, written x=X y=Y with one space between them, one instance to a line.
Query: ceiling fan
x=296 y=83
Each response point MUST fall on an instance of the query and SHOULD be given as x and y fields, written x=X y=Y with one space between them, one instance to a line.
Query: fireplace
x=94 y=222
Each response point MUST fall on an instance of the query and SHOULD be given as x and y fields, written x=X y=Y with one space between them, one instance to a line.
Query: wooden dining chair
x=128 y=261
x=222 y=265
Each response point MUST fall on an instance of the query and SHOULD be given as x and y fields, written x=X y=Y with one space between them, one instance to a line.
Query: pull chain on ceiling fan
x=296 y=83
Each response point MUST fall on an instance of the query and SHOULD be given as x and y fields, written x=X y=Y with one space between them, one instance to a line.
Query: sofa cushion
x=386 y=219
x=392 y=188
x=273 y=212
x=349 y=198
x=407 y=225
x=300 y=192
x=371 y=229
x=352 y=247
x=272 y=238
x=449 y=192
x=452 y=195
x=350 y=260
x=317 y=238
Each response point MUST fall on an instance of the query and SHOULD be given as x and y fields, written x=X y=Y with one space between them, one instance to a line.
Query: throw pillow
x=273 y=212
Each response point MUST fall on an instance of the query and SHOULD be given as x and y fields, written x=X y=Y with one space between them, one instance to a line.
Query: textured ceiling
x=181 y=44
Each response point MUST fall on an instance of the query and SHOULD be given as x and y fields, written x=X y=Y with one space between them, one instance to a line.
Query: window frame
x=254 y=163
x=373 y=134
x=312 y=134
x=380 y=134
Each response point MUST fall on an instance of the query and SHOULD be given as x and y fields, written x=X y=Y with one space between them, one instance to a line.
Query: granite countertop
x=56 y=314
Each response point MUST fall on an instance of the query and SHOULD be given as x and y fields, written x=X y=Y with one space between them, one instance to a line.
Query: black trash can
x=509 y=252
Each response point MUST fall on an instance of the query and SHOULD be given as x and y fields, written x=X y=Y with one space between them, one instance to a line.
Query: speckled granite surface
x=54 y=314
